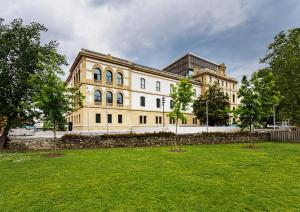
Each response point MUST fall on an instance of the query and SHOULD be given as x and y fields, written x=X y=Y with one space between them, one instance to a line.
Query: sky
x=157 y=32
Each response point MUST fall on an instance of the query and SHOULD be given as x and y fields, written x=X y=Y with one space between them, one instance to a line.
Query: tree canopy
x=181 y=95
x=283 y=61
x=23 y=59
x=218 y=106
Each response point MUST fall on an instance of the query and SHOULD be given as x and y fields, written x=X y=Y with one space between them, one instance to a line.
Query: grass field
x=205 y=177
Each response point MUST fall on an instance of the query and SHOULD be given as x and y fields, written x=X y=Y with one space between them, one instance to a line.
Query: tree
x=248 y=110
x=22 y=59
x=218 y=104
x=264 y=85
x=181 y=95
x=283 y=60
x=55 y=99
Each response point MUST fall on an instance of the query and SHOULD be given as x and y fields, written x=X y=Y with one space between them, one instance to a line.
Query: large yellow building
x=121 y=95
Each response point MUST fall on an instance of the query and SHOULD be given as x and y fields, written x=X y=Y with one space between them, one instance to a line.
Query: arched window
x=97 y=96
x=119 y=79
x=97 y=75
x=120 y=99
x=109 y=77
x=109 y=97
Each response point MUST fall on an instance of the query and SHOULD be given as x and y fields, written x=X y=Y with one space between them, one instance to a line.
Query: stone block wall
x=72 y=141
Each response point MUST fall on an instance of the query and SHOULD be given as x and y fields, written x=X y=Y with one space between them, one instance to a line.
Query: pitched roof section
x=119 y=61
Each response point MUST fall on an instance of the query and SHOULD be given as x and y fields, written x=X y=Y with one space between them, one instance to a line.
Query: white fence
x=184 y=130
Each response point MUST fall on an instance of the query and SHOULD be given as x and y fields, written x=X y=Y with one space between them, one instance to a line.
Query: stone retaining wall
x=133 y=140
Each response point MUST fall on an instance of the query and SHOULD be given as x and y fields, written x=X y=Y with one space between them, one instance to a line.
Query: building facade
x=121 y=95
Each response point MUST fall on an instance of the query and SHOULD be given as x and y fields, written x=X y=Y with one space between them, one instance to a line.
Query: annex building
x=120 y=94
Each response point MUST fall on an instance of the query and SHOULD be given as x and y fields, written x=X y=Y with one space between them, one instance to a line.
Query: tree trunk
x=4 y=138
x=54 y=132
x=176 y=133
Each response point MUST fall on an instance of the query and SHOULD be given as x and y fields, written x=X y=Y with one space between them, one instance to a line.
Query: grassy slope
x=226 y=177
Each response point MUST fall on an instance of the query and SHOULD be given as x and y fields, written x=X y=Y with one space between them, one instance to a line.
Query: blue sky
x=155 y=32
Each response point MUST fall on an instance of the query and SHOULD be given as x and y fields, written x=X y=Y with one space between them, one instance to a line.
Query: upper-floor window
x=190 y=72
x=119 y=98
x=226 y=84
x=157 y=86
x=109 y=77
x=158 y=102
x=233 y=98
x=233 y=86
x=210 y=79
x=97 y=96
x=109 y=97
x=119 y=79
x=142 y=101
x=171 y=88
x=97 y=75
x=195 y=92
x=143 y=82
x=171 y=104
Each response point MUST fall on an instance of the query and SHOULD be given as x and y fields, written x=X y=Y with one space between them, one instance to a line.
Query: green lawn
x=205 y=177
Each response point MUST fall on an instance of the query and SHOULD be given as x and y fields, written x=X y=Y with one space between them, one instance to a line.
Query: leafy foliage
x=283 y=60
x=55 y=99
x=218 y=106
x=249 y=109
x=264 y=85
x=181 y=95
x=23 y=60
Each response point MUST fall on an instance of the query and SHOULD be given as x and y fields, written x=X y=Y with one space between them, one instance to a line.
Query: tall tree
x=283 y=60
x=55 y=99
x=218 y=106
x=181 y=95
x=22 y=58
x=248 y=110
x=264 y=85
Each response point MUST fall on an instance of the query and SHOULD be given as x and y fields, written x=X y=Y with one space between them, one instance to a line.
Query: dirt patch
x=53 y=155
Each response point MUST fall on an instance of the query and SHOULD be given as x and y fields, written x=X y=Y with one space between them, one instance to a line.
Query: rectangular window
x=145 y=119
x=222 y=83
x=142 y=101
x=143 y=83
x=226 y=84
x=98 y=118
x=171 y=88
x=109 y=118
x=160 y=119
x=195 y=93
x=157 y=86
x=172 y=121
x=158 y=102
x=156 y=119
x=141 y=119
x=79 y=115
x=120 y=119
x=171 y=104
x=233 y=86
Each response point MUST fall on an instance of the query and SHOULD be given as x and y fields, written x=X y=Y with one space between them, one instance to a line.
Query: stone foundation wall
x=133 y=140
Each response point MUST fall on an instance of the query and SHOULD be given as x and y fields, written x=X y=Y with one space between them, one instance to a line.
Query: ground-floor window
x=98 y=118
x=183 y=120
x=120 y=118
x=143 y=119
x=109 y=118
x=194 y=120
x=158 y=119
x=172 y=121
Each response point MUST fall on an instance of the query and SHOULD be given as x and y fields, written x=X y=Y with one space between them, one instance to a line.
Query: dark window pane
x=109 y=118
x=120 y=119
x=98 y=118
